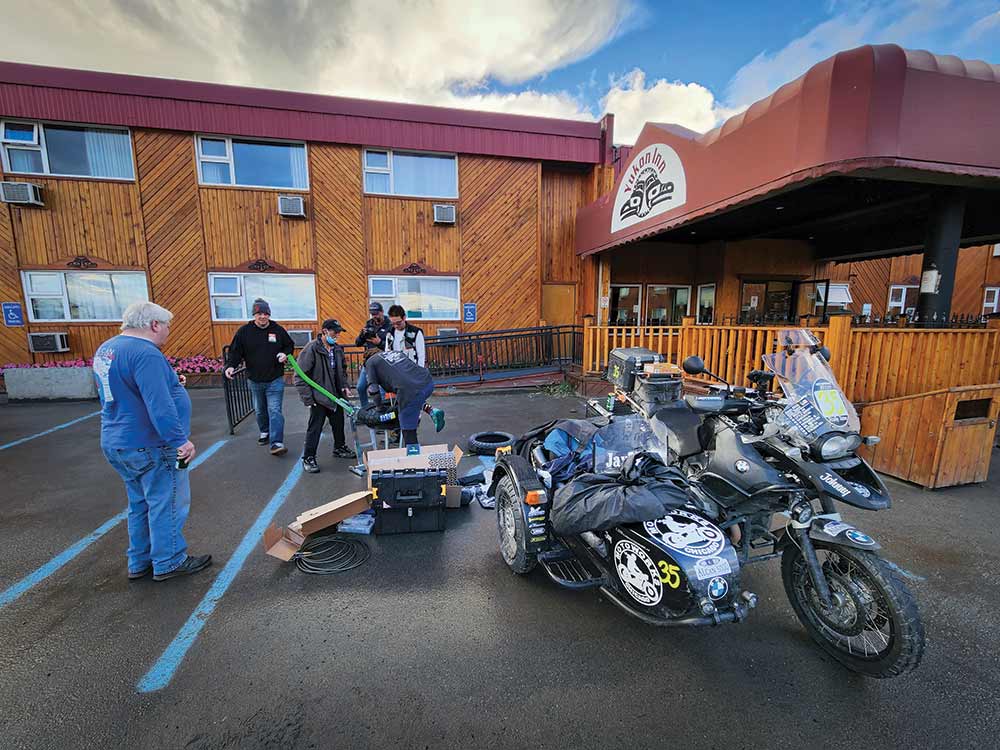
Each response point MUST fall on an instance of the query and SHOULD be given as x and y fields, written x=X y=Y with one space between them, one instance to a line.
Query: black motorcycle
x=679 y=494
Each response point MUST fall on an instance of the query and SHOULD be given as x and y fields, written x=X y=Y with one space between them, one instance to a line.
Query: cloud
x=980 y=28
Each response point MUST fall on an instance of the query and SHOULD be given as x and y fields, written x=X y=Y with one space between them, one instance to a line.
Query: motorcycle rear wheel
x=512 y=532
x=875 y=629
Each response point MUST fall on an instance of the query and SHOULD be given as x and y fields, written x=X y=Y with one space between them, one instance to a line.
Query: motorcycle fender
x=829 y=482
x=832 y=531
x=536 y=517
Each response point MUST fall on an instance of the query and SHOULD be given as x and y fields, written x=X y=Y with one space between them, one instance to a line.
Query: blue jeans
x=159 y=498
x=363 y=387
x=409 y=415
x=267 y=398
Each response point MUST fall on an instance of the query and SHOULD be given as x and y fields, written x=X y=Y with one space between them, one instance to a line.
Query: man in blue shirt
x=145 y=423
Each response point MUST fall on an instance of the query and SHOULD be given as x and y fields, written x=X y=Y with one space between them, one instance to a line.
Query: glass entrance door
x=666 y=305
x=625 y=304
x=768 y=301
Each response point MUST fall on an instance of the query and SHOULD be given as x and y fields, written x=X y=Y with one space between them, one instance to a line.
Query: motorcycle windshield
x=816 y=404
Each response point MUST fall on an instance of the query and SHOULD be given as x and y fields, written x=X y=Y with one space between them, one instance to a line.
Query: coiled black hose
x=331 y=553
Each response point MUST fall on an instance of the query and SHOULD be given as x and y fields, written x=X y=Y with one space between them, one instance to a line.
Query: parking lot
x=432 y=642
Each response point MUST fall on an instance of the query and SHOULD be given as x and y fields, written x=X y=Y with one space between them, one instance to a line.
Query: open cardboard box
x=284 y=543
x=398 y=458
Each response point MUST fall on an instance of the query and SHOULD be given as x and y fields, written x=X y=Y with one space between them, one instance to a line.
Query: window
x=706 y=304
x=667 y=304
x=66 y=150
x=991 y=300
x=413 y=174
x=833 y=296
x=291 y=296
x=232 y=161
x=996 y=251
x=626 y=302
x=423 y=297
x=64 y=296
x=902 y=300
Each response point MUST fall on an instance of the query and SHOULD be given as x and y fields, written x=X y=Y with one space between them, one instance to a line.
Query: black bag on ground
x=377 y=416
x=644 y=490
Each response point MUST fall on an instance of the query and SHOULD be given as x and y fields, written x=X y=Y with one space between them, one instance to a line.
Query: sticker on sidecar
x=687 y=534
x=638 y=573
x=536 y=513
x=711 y=567
x=536 y=529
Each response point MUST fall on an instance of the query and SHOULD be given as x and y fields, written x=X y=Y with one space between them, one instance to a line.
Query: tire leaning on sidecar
x=523 y=561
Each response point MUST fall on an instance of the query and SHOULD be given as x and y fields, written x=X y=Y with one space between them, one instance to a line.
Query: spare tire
x=487 y=443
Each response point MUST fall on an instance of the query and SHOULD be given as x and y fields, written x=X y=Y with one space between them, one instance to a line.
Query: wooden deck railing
x=870 y=363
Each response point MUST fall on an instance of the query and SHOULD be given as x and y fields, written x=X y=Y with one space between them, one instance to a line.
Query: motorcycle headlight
x=836 y=445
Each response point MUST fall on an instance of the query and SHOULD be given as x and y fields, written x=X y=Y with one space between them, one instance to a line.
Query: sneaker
x=437 y=417
x=278 y=449
x=343 y=452
x=140 y=574
x=310 y=465
x=188 y=567
x=263 y=439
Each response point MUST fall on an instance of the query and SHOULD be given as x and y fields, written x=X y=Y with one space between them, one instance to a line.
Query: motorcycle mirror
x=693 y=365
x=825 y=351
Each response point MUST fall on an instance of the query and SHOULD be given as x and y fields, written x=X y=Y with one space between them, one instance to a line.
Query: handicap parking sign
x=13 y=314
x=469 y=312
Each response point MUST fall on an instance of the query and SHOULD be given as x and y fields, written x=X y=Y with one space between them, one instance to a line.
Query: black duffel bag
x=382 y=416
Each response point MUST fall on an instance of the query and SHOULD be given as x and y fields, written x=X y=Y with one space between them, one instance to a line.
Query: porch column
x=944 y=231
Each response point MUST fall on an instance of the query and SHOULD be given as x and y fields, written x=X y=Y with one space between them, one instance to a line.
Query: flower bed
x=182 y=365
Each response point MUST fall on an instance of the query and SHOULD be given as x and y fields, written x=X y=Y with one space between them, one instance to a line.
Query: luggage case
x=413 y=488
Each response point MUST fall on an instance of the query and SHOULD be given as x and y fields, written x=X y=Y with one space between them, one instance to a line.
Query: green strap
x=338 y=401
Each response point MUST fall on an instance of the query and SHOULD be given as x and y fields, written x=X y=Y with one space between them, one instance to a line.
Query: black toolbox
x=624 y=363
x=409 y=488
x=408 y=520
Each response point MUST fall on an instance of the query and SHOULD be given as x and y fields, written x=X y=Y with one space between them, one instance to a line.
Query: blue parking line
x=39 y=575
x=162 y=672
x=63 y=426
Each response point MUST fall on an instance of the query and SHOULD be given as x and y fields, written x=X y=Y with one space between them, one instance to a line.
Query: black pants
x=318 y=415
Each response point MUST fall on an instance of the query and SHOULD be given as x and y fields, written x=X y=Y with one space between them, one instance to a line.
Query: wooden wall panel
x=13 y=341
x=241 y=226
x=869 y=282
x=499 y=206
x=400 y=231
x=168 y=185
x=83 y=339
x=81 y=217
x=993 y=267
x=341 y=265
x=563 y=193
x=904 y=269
x=970 y=279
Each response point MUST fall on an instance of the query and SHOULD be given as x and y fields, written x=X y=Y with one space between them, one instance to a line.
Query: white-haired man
x=145 y=423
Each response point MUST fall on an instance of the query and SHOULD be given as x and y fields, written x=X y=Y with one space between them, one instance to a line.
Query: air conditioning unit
x=444 y=213
x=292 y=205
x=48 y=342
x=300 y=338
x=445 y=334
x=23 y=193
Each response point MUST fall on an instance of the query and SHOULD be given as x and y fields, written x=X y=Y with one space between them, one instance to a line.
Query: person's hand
x=348 y=393
x=309 y=404
x=182 y=378
x=186 y=451
x=374 y=340
x=229 y=372
x=282 y=357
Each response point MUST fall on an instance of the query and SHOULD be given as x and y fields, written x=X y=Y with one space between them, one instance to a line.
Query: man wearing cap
x=322 y=360
x=264 y=346
x=372 y=336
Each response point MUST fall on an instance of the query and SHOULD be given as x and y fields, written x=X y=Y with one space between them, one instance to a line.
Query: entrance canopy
x=851 y=157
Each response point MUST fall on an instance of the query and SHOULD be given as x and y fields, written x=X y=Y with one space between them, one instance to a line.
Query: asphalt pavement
x=433 y=643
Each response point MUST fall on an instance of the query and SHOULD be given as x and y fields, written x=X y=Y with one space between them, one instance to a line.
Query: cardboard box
x=430 y=457
x=284 y=543
x=661 y=368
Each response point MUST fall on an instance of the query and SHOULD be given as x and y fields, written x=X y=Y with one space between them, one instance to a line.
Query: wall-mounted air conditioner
x=300 y=338
x=444 y=213
x=48 y=342
x=22 y=193
x=444 y=334
x=292 y=205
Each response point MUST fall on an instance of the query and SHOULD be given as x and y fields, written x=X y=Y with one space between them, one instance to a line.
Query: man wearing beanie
x=264 y=346
x=322 y=360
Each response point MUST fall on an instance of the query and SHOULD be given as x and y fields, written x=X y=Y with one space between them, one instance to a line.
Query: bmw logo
x=858 y=537
x=860 y=489
x=717 y=587
x=742 y=466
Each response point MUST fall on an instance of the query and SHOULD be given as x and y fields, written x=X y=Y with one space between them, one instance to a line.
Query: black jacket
x=373 y=330
x=259 y=348
x=396 y=373
x=314 y=360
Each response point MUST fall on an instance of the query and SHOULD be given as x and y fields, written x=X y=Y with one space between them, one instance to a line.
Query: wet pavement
x=433 y=642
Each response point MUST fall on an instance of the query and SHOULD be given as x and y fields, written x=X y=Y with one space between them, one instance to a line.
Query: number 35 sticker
x=830 y=402
x=670 y=574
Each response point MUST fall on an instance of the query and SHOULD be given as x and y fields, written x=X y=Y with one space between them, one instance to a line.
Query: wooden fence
x=871 y=363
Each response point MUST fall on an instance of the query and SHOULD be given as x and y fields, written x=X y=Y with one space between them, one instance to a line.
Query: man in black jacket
x=394 y=372
x=264 y=346
x=323 y=361
x=372 y=336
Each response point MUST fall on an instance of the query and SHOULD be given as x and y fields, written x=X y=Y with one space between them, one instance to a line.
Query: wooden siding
x=241 y=226
x=13 y=341
x=83 y=339
x=172 y=220
x=563 y=193
x=341 y=266
x=81 y=217
x=499 y=207
x=970 y=280
x=400 y=231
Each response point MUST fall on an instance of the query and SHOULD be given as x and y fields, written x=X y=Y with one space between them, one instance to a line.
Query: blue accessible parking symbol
x=13 y=314
x=469 y=312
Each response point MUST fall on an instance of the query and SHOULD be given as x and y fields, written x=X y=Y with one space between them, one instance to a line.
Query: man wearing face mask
x=323 y=361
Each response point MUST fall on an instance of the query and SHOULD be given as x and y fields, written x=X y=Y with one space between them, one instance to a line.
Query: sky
x=693 y=64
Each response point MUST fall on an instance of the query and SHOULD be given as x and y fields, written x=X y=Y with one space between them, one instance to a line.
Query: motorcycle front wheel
x=512 y=532
x=874 y=625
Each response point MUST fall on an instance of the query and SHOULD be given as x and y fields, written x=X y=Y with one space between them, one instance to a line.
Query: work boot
x=139 y=573
x=309 y=464
x=342 y=451
x=190 y=566
x=437 y=417
x=278 y=449
x=263 y=439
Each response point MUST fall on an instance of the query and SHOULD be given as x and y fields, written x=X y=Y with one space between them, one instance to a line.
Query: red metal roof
x=34 y=91
x=866 y=110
